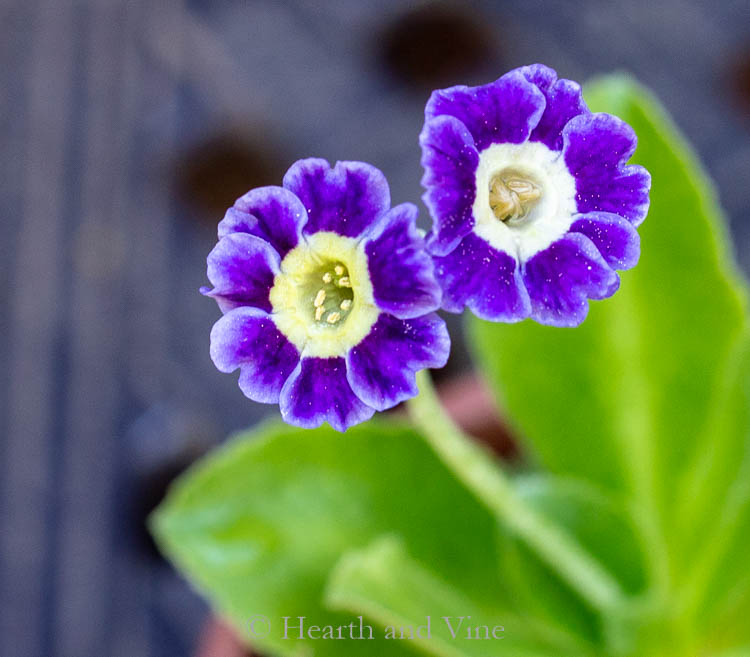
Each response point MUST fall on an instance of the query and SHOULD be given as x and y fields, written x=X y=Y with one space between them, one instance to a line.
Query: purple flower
x=328 y=296
x=533 y=203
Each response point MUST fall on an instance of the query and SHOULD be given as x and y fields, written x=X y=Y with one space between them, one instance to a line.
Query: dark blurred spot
x=499 y=439
x=741 y=79
x=436 y=45
x=151 y=487
x=163 y=443
x=212 y=174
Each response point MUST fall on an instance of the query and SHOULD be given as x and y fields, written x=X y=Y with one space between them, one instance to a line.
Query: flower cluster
x=329 y=295
x=533 y=204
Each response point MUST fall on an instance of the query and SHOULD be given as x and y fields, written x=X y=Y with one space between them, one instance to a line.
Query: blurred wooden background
x=126 y=128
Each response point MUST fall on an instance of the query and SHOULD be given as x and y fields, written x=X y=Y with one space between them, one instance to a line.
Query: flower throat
x=512 y=196
x=333 y=299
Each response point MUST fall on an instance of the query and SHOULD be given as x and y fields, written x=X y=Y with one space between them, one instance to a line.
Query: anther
x=345 y=304
x=339 y=269
x=512 y=196
x=320 y=298
x=319 y=313
x=333 y=318
x=345 y=282
x=327 y=277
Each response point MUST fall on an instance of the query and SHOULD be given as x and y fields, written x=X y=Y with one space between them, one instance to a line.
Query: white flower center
x=525 y=198
x=322 y=299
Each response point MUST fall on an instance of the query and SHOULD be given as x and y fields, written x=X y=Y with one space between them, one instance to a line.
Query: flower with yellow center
x=328 y=294
x=322 y=298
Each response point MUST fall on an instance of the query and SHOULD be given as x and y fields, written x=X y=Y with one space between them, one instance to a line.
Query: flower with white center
x=328 y=296
x=534 y=206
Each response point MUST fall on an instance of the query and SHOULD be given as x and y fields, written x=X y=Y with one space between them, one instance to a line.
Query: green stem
x=486 y=480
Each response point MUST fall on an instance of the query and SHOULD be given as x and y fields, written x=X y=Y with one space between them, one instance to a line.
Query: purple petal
x=450 y=162
x=486 y=280
x=506 y=110
x=272 y=213
x=241 y=268
x=564 y=101
x=540 y=75
x=401 y=270
x=381 y=368
x=596 y=148
x=318 y=391
x=616 y=238
x=346 y=199
x=248 y=338
x=562 y=278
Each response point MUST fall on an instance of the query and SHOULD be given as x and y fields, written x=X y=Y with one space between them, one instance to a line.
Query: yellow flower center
x=334 y=296
x=322 y=299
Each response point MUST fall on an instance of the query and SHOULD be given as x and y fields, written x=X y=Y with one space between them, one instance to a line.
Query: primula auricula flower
x=533 y=204
x=328 y=295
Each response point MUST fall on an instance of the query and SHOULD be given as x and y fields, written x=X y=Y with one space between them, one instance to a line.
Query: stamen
x=334 y=299
x=511 y=196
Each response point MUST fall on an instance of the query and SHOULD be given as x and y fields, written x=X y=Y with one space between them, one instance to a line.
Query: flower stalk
x=471 y=464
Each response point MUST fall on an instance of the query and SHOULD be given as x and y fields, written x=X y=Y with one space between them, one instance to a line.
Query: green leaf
x=408 y=600
x=715 y=523
x=258 y=525
x=717 y=591
x=599 y=523
x=601 y=526
x=628 y=400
